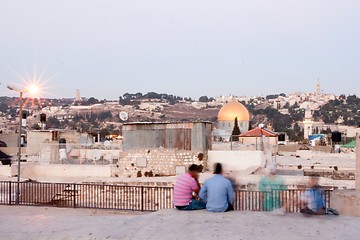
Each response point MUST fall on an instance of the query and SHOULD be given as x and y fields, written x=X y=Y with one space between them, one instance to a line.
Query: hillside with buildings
x=282 y=112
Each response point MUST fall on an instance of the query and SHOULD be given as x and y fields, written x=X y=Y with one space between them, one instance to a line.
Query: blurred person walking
x=270 y=187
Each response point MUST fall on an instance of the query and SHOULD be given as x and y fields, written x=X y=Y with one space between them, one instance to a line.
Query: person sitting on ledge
x=218 y=192
x=186 y=189
x=312 y=201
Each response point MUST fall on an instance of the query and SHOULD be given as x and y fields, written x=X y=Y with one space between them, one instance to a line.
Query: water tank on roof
x=42 y=117
x=336 y=137
x=281 y=137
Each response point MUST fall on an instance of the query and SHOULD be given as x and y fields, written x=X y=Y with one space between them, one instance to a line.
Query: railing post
x=9 y=192
x=142 y=198
x=74 y=191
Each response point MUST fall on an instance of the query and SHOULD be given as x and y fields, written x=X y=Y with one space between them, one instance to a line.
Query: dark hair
x=194 y=168
x=314 y=175
x=218 y=168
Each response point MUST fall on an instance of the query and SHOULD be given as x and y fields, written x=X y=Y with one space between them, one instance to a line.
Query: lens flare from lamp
x=33 y=90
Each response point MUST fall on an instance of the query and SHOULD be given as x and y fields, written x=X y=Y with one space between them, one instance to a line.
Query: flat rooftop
x=21 y=222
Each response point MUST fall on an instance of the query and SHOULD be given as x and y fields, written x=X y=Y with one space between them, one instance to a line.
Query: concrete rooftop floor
x=21 y=222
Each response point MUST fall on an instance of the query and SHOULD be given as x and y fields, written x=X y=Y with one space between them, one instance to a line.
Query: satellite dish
x=123 y=116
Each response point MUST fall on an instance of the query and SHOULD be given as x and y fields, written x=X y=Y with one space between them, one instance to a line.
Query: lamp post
x=12 y=88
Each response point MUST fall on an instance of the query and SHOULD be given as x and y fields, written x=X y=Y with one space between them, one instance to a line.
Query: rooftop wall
x=194 y=137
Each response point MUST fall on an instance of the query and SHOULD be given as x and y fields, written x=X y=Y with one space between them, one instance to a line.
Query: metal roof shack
x=192 y=136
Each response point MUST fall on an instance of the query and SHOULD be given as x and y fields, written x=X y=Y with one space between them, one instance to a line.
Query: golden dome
x=233 y=109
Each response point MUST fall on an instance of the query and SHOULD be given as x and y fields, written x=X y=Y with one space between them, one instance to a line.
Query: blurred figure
x=218 y=192
x=186 y=189
x=270 y=187
x=312 y=201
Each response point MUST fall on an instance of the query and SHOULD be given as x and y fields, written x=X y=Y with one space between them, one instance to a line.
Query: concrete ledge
x=5 y=170
x=236 y=160
x=347 y=202
x=34 y=171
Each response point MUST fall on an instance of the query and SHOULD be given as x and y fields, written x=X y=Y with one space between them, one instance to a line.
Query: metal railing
x=134 y=198
x=266 y=201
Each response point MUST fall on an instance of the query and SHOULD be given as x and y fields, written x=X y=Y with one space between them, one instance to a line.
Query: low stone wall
x=13 y=151
x=155 y=162
x=313 y=154
x=347 y=202
x=33 y=171
x=5 y=170
x=237 y=160
x=294 y=148
x=76 y=154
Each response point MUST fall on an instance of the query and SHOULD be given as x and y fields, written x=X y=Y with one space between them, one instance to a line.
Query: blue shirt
x=314 y=197
x=217 y=192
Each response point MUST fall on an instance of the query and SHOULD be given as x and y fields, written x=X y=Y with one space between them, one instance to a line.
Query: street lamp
x=33 y=90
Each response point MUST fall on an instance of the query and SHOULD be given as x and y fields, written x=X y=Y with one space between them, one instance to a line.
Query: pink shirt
x=183 y=189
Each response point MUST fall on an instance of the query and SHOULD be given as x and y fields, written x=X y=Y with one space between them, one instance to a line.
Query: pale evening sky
x=187 y=48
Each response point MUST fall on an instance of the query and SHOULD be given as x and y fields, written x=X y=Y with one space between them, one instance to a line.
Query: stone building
x=163 y=149
x=256 y=137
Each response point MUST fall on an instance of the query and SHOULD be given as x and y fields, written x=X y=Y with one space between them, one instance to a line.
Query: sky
x=188 y=48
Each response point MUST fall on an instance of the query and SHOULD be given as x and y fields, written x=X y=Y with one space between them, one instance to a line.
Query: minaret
x=308 y=122
x=318 y=88
x=77 y=96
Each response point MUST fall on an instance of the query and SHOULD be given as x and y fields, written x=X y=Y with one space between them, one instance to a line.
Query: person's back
x=218 y=193
x=315 y=198
x=312 y=200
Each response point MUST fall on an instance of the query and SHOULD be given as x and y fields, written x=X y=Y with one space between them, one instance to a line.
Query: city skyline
x=183 y=48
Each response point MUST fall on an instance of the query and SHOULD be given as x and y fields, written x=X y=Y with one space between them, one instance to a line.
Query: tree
x=92 y=101
x=272 y=96
x=104 y=115
x=203 y=99
x=3 y=107
x=53 y=122
x=296 y=134
x=236 y=131
x=103 y=132
x=250 y=126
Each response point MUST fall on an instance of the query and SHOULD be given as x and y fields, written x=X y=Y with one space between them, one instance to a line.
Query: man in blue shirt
x=217 y=192
x=312 y=201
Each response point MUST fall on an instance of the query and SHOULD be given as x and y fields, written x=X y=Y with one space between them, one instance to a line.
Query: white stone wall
x=237 y=160
x=34 y=171
x=76 y=154
x=5 y=170
x=161 y=162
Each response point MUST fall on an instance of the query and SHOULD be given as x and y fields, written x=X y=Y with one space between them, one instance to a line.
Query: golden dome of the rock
x=233 y=109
